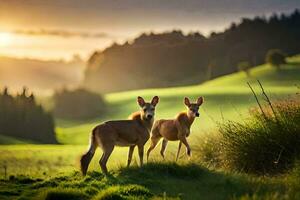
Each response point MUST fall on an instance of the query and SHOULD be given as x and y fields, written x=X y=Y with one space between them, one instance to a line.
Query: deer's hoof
x=189 y=153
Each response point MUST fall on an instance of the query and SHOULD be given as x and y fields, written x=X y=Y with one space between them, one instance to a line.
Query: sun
x=5 y=39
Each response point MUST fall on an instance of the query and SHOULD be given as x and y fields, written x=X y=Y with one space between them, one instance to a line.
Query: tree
x=165 y=59
x=78 y=104
x=275 y=57
x=210 y=67
x=245 y=67
x=22 y=117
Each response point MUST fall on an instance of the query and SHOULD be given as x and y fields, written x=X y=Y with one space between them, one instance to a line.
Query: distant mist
x=60 y=33
x=42 y=77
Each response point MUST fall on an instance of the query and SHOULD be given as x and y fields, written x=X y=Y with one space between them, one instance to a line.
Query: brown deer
x=132 y=132
x=175 y=129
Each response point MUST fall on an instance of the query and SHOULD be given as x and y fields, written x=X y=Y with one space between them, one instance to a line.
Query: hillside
x=226 y=97
x=10 y=140
x=270 y=76
x=155 y=60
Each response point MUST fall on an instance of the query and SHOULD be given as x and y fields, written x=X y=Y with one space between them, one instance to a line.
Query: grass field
x=58 y=179
x=29 y=169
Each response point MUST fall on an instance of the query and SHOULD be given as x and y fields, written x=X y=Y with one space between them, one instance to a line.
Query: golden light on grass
x=5 y=39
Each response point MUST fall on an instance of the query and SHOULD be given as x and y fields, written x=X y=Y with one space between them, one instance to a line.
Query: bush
x=275 y=57
x=78 y=104
x=264 y=144
x=245 y=67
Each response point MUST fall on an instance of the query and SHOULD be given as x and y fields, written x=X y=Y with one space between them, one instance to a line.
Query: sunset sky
x=55 y=29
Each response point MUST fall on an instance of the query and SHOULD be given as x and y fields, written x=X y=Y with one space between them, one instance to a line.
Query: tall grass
x=267 y=142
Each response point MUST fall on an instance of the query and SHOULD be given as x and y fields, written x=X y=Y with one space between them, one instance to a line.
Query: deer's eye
x=145 y=109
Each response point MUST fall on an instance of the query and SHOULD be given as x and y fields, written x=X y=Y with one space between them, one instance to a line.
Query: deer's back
x=121 y=133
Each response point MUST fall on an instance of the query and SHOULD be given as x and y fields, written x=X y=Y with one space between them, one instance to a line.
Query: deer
x=132 y=132
x=175 y=129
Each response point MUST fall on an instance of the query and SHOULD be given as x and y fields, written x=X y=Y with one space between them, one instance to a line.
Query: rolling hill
x=226 y=98
x=172 y=59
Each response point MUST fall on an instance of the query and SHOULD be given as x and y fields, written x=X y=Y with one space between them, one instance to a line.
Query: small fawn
x=175 y=129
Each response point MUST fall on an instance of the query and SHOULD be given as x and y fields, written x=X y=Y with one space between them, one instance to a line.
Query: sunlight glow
x=5 y=39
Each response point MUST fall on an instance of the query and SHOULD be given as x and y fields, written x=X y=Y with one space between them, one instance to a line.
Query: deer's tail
x=87 y=157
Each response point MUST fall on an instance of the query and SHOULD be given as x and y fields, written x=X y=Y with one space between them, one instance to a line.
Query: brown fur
x=135 y=116
x=175 y=129
x=132 y=132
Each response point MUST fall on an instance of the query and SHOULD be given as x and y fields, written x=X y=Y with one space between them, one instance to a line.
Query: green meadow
x=38 y=171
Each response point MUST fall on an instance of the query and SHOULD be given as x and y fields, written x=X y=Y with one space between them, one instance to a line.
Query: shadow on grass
x=189 y=181
x=153 y=180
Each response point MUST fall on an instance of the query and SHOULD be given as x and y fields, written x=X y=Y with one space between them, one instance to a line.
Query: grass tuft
x=266 y=143
x=23 y=179
x=62 y=194
x=124 y=193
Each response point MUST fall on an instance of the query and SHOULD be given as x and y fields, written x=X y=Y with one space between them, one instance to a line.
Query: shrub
x=245 y=67
x=275 y=57
x=266 y=143
x=78 y=104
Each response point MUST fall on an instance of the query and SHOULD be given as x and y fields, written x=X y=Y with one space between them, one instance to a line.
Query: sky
x=58 y=29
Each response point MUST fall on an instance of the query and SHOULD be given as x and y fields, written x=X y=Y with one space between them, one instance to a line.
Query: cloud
x=60 y=33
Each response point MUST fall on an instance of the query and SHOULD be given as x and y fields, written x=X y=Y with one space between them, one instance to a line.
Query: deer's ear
x=200 y=101
x=141 y=101
x=187 y=102
x=155 y=100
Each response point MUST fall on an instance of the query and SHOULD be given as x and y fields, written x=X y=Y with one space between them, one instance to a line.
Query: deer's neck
x=147 y=123
x=185 y=119
x=190 y=119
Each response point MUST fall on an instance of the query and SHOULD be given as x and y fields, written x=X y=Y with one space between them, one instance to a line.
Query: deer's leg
x=188 y=148
x=131 y=149
x=106 y=153
x=163 y=147
x=141 y=154
x=154 y=141
x=178 y=152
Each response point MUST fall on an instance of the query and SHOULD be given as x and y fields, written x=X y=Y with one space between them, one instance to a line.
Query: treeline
x=172 y=58
x=78 y=104
x=21 y=117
